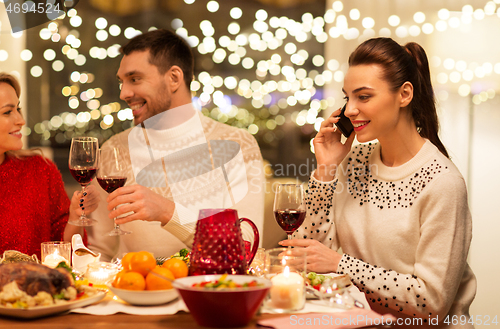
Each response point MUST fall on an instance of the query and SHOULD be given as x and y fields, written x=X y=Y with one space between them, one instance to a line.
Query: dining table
x=120 y=321
x=82 y=318
x=113 y=321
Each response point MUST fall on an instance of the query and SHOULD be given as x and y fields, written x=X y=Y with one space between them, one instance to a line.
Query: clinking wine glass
x=111 y=175
x=289 y=207
x=83 y=166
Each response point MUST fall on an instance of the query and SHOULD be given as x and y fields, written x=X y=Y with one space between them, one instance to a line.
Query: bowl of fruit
x=222 y=301
x=143 y=282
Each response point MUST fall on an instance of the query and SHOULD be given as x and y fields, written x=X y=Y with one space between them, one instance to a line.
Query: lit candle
x=52 y=260
x=99 y=276
x=101 y=273
x=287 y=291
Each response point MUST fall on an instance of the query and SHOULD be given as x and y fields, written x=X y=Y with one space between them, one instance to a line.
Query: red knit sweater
x=34 y=206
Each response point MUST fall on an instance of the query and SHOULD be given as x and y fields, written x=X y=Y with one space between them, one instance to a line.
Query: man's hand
x=144 y=203
x=320 y=258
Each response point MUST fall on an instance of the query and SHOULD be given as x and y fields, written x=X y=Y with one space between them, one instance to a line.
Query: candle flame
x=286 y=271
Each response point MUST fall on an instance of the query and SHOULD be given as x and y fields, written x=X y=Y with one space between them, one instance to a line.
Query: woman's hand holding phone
x=344 y=124
x=328 y=147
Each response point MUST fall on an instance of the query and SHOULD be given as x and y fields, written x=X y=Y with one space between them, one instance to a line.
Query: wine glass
x=83 y=166
x=112 y=175
x=289 y=207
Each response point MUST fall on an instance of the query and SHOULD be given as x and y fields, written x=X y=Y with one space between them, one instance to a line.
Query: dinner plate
x=311 y=295
x=40 y=311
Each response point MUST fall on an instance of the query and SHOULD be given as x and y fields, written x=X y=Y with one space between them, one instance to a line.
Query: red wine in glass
x=83 y=166
x=289 y=207
x=83 y=176
x=290 y=219
x=110 y=184
x=111 y=175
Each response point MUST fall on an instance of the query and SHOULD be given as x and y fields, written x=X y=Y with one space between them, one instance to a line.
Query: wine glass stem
x=83 y=209
x=117 y=227
x=289 y=238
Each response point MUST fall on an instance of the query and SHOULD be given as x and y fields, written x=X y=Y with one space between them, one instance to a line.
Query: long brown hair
x=12 y=81
x=399 y=65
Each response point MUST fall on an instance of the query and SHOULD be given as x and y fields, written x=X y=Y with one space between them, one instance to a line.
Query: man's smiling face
x=142 y=86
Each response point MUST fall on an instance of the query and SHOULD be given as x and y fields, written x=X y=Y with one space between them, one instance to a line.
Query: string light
x=282 y=81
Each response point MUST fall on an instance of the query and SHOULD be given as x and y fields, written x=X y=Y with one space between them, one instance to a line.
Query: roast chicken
x=33 y=278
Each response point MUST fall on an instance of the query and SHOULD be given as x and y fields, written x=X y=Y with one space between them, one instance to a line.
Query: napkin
x=112 y=305
x=355 y=318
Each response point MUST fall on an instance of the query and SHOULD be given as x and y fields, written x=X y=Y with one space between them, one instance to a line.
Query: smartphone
x=344 y=124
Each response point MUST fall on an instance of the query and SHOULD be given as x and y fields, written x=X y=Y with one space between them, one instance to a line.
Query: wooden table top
x=115 y=321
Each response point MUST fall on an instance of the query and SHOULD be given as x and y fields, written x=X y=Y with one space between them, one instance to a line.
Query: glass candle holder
x=285 y=268
x=54 y=252
x=258 y=264
x=101 y=273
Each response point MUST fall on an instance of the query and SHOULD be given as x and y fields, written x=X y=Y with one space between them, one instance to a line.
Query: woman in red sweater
x=34 y=206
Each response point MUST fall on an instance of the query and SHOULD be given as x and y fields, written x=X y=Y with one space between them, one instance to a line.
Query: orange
x=117 y=278
x=177 y=266
x=142 y=262
x=154 y=282
x=126 y=260
x=131 y=281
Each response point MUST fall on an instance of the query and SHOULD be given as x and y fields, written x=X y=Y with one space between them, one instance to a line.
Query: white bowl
x=145 y=297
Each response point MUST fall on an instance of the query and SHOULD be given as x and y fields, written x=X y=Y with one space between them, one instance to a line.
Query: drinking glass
x=83 y=166
x=289 y=207
x=111 y=175
x=337 y=296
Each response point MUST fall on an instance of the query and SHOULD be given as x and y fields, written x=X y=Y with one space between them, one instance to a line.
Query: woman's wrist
x=325 y=173
x=336 y=261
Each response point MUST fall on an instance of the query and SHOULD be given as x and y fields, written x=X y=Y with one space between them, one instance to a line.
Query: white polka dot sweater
x=405 y=231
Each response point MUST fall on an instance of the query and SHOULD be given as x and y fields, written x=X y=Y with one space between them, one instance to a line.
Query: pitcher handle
x=255 y=239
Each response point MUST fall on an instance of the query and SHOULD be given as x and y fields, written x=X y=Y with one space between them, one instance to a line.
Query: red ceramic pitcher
x=218 y=244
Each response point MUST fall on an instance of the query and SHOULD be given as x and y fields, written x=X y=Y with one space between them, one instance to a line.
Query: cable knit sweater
x=405 y=231
x=186 y=142
x=34 y=206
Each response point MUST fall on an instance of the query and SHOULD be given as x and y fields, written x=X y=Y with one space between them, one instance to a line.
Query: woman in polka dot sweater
x=397 y=208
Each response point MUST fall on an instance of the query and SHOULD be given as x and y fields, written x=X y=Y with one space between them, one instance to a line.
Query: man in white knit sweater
x=178 y=161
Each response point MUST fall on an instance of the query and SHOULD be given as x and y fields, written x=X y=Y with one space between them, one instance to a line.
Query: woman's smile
x=358 y=125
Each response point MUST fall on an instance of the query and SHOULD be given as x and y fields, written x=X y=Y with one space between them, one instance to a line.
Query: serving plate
x=145 y=297
x=41 y=311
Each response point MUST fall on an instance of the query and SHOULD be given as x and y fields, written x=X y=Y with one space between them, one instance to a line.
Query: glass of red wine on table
x=289 y=207
x=83 y=166
x=111 y=175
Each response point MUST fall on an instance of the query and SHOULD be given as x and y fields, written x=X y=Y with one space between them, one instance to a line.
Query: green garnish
x=67 y=268
x=182 y=254
x=59 y=296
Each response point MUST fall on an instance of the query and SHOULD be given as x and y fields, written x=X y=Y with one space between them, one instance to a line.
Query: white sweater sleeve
x=319 y=224
x=250 y=206
x=440 y=260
